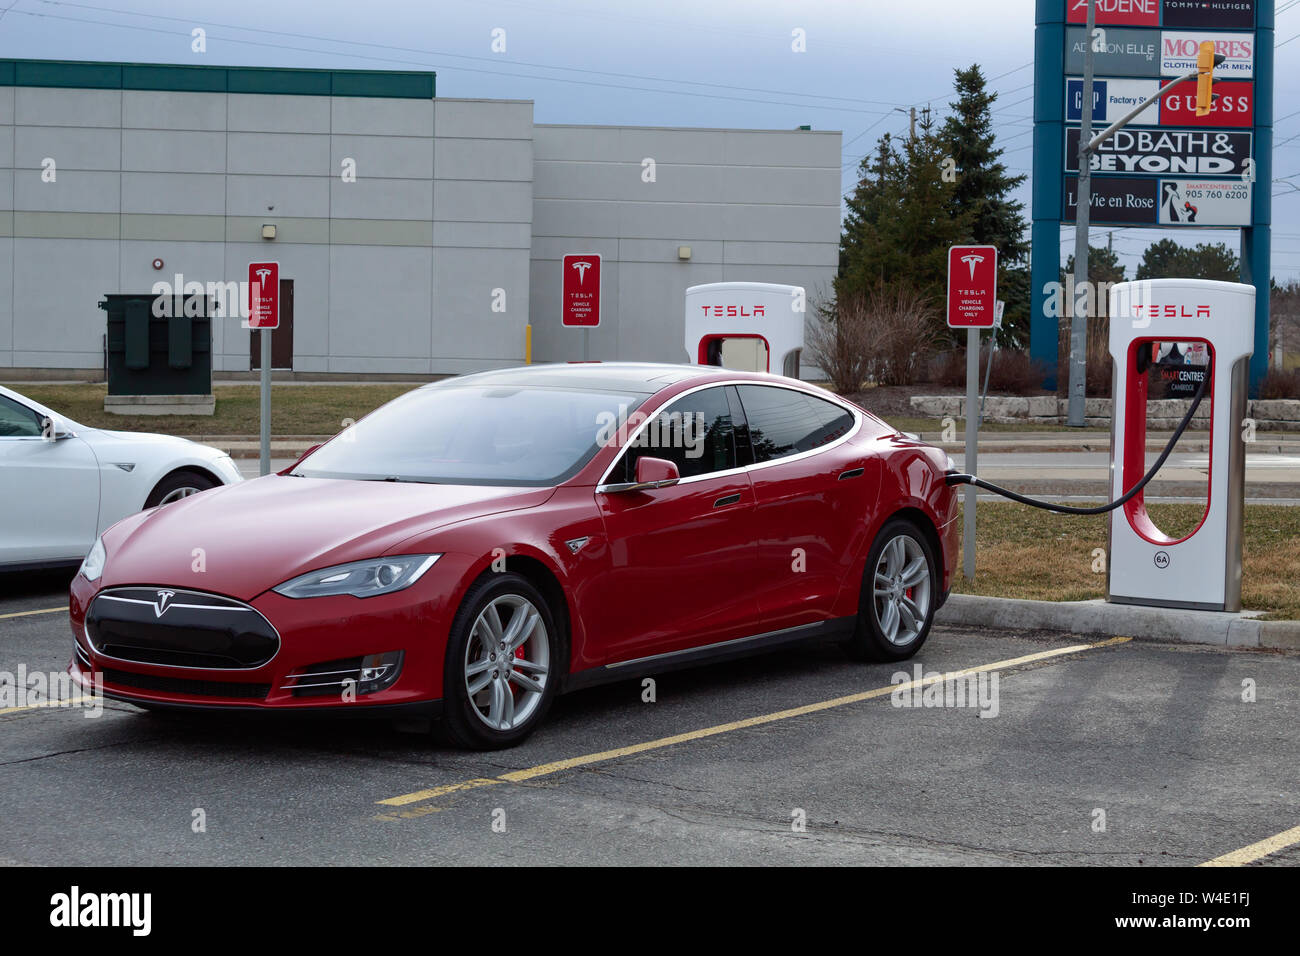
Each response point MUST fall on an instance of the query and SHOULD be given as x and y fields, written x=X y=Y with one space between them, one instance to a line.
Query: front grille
x=178 y=685
x=179 y=628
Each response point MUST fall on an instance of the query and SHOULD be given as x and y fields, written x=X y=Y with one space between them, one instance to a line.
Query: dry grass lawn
x=1024 y=552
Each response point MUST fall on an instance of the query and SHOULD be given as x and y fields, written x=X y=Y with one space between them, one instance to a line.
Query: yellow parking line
x=1257 y=851
x=542 y=770
x=48 y=610
x=48 y=703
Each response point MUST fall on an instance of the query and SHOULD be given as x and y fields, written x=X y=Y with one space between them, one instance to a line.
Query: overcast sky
x=720 y=63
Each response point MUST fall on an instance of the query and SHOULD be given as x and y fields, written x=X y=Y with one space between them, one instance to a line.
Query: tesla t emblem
x=161 y=604
x=262 y=274
x=971 y=262
x=575 y=545
x=582 y=268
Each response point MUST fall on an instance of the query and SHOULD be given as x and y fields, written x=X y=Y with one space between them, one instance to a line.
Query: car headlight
x=361 y=579
x=93 y=565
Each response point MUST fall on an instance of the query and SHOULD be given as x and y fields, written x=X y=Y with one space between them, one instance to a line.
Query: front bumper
x=315 y=634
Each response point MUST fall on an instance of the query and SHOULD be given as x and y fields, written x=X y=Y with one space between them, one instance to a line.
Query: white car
x=62 y=484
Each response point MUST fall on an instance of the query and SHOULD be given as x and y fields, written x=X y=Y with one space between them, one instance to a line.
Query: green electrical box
x=159 y=353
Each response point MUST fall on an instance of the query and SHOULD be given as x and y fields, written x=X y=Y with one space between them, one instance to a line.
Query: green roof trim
x=217 y=79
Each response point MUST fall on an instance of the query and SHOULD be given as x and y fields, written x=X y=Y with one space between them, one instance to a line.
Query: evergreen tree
x=1166 y=259
x=983 y=188
x=900 y=220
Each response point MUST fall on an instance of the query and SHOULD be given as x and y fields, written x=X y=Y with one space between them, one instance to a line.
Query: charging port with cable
x=1143 y=363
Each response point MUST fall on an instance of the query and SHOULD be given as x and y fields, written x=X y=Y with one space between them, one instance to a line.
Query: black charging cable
x=952 y=478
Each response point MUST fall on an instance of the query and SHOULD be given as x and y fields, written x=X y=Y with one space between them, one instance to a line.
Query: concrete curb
x=1126 y=620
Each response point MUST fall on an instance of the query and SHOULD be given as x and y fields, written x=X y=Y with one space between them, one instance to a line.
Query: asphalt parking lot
x=1095 y=751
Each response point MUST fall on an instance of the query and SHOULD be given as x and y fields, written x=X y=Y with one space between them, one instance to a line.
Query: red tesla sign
x=264 y=295
x=581 y=305
x=972 y=286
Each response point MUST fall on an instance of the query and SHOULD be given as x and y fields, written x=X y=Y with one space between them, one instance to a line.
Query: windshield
x=485 y=435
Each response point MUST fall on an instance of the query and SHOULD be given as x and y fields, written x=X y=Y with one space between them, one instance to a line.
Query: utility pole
x=912 y=125
x=1083 y=206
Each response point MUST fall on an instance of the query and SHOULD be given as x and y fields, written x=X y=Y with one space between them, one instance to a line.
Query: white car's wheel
x=178 y=485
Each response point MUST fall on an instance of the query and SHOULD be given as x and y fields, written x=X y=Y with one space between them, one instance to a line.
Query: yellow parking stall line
x=546 y=769
x=1257 y=851
x=48 y=610
x=71 y=701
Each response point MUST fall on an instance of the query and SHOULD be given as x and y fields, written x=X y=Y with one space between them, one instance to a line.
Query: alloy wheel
x=507 y=662
x=902 y=590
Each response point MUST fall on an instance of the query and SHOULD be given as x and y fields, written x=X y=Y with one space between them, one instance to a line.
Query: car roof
x=645 y=378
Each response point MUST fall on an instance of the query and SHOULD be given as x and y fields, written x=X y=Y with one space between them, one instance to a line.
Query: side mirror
x=651 y=473
x=54 y=428
x=656 y=472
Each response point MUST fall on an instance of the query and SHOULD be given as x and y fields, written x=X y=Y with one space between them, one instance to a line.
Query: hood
x=260 y=533
x=138 y=438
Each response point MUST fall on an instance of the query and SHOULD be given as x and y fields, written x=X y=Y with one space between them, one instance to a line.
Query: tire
x=887 y=628
x=177 y=485
x=487 y=706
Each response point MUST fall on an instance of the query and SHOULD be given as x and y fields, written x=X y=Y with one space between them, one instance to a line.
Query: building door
x=281 y=338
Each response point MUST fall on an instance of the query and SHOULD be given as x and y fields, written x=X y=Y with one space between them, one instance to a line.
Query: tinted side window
x=16 y=420
x=785 y=422
x=694 y=433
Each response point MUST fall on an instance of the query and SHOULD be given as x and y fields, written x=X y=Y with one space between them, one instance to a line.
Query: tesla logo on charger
x=733 y=311
x=164 y=597
x=1171 y=311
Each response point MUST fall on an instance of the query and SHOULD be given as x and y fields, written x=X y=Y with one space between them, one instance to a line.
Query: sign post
x=580 y=305
x=264 y=315
x=972 y=305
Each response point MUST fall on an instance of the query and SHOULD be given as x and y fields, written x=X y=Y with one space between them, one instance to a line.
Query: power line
x=467 y=69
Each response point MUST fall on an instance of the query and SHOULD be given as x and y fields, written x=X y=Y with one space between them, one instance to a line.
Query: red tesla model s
x=483 y=543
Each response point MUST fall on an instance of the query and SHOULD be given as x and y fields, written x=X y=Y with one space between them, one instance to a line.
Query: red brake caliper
x=519 y=654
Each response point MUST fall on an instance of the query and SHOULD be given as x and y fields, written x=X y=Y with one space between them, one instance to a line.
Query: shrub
x=884 y=336
x=1279 y=384
x=1014 y=372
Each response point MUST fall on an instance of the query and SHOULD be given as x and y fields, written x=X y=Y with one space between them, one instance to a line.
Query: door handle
x=853 y=473
x=727 y=500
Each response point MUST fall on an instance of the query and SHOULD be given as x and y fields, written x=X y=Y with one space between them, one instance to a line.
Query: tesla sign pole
x=264 y=315
x=972 y=304
x=580 y=308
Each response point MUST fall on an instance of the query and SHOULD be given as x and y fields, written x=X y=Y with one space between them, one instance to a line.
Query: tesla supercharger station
x=1179 y=321
x=732 y=314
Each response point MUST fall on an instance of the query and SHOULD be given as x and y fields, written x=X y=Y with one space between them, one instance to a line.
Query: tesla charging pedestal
x=1175 y=323
x=727 y=322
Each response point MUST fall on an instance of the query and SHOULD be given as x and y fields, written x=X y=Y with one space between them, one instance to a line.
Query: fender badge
x=575 y=545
